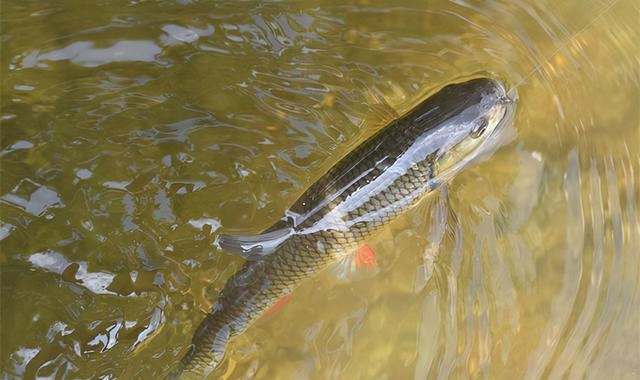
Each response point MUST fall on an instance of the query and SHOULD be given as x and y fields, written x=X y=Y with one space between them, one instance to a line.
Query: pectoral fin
x=252 y=247
x=277 y=306
x=357 y=265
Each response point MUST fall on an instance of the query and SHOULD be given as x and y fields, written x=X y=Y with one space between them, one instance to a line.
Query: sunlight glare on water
x=132 y=132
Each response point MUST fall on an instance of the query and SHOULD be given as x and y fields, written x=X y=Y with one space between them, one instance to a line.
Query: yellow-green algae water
x=133 y=131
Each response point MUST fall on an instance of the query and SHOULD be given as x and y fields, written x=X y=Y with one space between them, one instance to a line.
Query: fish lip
x=502 y=95
x=505 y=99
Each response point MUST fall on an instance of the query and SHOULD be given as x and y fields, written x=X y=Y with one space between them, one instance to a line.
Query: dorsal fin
x=252 y=247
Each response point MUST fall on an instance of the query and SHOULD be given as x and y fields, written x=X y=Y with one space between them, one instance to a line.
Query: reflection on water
x=86 y=54
x=133 y=132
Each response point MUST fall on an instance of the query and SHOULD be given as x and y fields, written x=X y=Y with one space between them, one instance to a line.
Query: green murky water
x=133 y=131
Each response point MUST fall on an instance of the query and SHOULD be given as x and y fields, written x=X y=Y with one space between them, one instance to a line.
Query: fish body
x=370 y=186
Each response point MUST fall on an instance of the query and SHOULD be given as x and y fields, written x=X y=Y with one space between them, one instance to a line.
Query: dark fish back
x=366 y=163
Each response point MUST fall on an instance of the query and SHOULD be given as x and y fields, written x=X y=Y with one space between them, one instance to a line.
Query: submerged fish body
x=377 y=181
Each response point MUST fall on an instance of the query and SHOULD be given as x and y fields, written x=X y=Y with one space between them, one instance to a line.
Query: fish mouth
x=508 y=105
x=503 y=94
x=498 y=91
x=505 y=99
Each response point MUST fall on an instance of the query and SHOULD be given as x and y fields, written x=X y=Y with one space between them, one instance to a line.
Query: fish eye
x=479 y=128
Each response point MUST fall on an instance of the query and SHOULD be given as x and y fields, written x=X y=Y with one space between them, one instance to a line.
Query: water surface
x=133 y=131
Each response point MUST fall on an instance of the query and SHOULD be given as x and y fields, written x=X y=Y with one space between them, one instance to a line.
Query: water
x=132 y=131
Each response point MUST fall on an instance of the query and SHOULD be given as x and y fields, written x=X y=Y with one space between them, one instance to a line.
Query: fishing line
x=563 y=46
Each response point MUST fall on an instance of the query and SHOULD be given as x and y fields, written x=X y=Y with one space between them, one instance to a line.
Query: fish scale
x=380 y=179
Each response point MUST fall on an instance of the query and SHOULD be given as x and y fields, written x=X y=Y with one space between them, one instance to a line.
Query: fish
x=370 y=186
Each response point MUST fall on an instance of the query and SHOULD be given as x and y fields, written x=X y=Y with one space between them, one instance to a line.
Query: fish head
x=474 y=112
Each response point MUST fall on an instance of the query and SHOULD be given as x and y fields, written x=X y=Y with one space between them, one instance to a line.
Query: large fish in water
x=373 y=184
